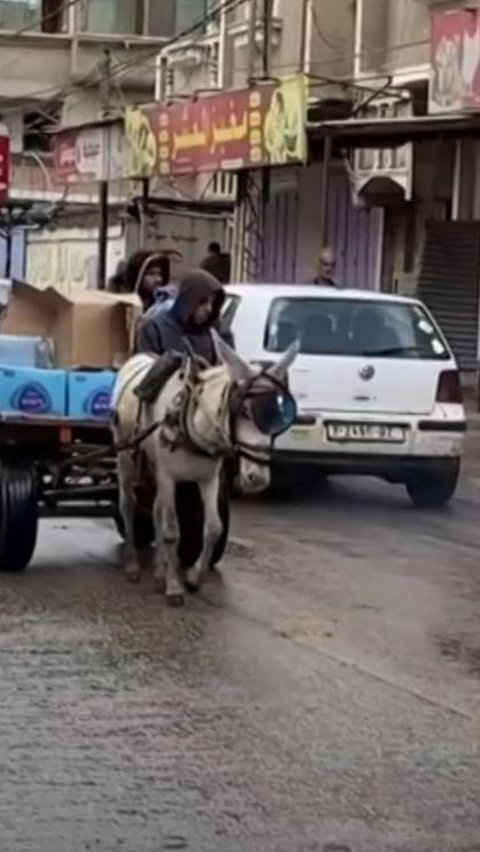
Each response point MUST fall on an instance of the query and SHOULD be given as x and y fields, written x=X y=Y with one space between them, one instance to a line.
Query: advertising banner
x=241 y=129
x=455 y=61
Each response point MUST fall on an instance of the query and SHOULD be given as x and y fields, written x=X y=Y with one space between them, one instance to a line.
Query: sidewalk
x=473 y=421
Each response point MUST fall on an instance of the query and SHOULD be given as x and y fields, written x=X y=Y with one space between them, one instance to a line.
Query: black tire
x=144 y=530
x=433 y=490
x=19 y=515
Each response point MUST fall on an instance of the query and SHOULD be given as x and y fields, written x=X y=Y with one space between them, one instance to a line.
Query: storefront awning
x=391 y=132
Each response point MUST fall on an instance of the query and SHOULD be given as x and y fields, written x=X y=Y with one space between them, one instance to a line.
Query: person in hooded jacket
x=193 y=315
x=148 y=274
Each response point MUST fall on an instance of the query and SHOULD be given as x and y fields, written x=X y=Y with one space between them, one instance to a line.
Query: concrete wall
x=187 y=232
x=67 y=258
x=395 y=34
x=329 y=46
x=405 y=225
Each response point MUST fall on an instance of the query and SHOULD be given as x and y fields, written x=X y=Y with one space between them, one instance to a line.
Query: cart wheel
x=19 y=515
x=144 y=529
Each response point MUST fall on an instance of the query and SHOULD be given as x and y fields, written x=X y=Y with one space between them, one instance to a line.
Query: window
x=37 y=134
x=189 y=12
x=16 y=14
x=46 y=16
x=230 y=307
x=129 y=17
x=354 y=327
x=274 y=6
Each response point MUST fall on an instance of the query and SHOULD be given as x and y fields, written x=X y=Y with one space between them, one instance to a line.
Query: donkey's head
x=260 y=409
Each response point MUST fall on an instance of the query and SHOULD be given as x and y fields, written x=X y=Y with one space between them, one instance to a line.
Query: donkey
x=200 y=417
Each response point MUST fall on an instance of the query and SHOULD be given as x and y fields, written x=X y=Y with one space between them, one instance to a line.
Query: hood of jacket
x=197 y=286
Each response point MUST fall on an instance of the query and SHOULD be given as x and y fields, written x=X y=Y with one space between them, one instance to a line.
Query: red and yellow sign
x=246 y=128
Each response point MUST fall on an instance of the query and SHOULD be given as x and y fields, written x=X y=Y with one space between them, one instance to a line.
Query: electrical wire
x=221 y=8
x=326 y=39
x=227 y=5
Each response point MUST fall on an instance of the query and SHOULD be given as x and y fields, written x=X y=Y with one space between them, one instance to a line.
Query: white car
x=377 y=387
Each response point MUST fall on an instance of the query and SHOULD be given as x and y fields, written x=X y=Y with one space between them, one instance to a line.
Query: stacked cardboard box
x=88 y=336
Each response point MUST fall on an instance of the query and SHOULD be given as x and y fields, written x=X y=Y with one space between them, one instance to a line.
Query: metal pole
x=267 y=39
x=266 y=175
x=252 y=32
x=106 y=90
x=303 y=37
x=144 y=212
x=327 y=155
x=102 y=234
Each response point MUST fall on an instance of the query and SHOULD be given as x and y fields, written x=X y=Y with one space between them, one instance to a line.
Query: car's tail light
x=449 y=387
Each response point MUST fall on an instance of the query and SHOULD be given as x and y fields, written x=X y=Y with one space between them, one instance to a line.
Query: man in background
x=217 y=263
x=326 y=265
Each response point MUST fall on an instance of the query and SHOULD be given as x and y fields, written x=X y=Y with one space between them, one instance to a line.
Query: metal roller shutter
x=449 y=284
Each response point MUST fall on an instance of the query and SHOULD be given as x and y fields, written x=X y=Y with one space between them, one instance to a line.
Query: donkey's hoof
x=132 y=577
x=176 y=600
x=159 y=585
x=192 y=586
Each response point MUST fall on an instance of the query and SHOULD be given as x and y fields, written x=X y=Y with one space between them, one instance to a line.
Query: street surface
x=325 y=695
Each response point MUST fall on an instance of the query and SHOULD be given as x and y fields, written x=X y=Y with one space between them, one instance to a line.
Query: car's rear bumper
x=392 y=467
x=428 y=441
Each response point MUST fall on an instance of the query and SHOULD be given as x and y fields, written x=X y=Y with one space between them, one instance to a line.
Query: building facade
x=424 y=58
x=68 y=63
x=314 y=37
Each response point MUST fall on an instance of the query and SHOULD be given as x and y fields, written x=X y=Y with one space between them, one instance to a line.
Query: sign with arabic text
x=88 y=154
x=264 y=125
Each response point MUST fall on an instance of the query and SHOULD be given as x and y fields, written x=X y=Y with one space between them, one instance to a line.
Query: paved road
x=324 y=696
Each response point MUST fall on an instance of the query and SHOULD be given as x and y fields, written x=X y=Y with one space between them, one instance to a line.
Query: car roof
x=316 y=291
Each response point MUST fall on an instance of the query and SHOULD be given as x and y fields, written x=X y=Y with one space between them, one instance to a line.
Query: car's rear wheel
x=433 y=490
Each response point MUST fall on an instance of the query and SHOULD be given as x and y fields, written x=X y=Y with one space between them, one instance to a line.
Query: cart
x=59 y=467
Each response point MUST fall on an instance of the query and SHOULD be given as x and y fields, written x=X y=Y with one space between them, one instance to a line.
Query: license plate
x=381 y=433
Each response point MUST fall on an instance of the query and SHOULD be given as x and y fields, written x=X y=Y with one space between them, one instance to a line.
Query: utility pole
x=267 y=40
x=266 y=73
x=252 y=33
x=106 y=96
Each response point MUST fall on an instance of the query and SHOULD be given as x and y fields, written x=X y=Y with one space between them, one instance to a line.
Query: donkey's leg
x=212 y=532
x=167 y=573
x=127 y=473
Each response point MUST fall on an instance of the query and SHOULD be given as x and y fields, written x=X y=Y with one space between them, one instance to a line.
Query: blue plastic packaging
x=34 y=392
x=25 y=351
x=89 y=394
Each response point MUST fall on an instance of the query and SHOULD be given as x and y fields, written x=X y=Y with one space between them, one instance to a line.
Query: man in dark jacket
x=147 y=273
x=326 y=265
x=217 y=262
x=195 y=311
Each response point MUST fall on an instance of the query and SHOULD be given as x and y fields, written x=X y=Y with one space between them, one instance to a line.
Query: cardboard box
x=89 y=394
x=33 y=391
x=91 y=328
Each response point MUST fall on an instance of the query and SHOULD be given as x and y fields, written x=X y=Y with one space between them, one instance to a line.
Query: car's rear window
x=354 y=327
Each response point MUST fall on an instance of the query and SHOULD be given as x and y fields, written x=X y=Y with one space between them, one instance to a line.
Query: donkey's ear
x=239 y=371
x=280 y=370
